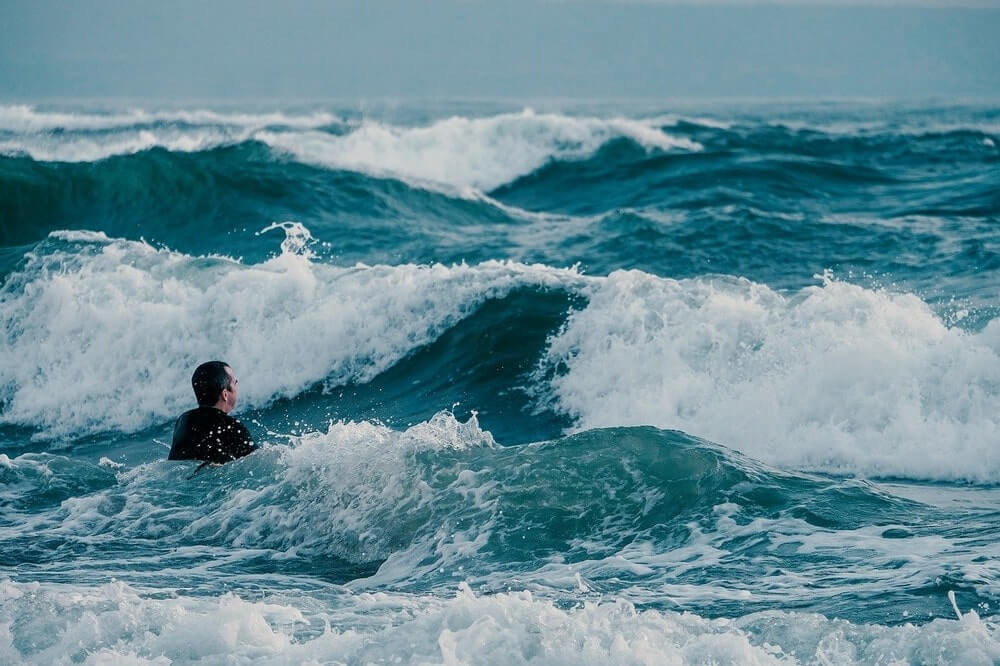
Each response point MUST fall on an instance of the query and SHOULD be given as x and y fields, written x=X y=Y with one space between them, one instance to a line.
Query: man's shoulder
x=203 y=413
x=188 y=414
x=183 y=420
x=208 y=433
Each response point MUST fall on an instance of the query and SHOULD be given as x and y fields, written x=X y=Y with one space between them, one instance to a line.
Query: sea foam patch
x=28 y=119
x=834 y=377
x=358 y=493
x=116 y=623
x=63 y=136
x=89 y=148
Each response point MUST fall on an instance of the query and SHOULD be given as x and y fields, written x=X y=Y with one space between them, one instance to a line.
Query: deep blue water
x=579 y=383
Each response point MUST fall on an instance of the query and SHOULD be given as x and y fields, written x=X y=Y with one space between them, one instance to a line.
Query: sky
x=303 y=49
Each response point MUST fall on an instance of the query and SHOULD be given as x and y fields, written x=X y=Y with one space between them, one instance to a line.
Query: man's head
x=215 y=385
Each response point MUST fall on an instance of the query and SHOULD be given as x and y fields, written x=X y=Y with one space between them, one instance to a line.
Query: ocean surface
x=551 y=383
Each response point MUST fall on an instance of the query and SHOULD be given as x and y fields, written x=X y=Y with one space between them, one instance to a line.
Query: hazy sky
x=220 y=49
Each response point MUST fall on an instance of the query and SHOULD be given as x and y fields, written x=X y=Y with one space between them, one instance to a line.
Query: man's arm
x=179 y=445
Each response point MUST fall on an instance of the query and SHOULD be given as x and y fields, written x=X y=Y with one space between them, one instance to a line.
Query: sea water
x=562 y=383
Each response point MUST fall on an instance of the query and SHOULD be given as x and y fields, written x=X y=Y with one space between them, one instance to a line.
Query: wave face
x=133 y=312
x=583 y=384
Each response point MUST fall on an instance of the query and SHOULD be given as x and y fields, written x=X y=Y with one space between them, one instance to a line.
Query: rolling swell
x=482 y=365
x=785 y=250
x=147 y=192
x=777 y=164
x=220 y=198
x=678 y=219
x=561 y=190
x=779 y=205
x=213 y=198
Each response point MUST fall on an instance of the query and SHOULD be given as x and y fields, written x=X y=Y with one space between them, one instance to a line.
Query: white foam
x=82 y=148
x=672 y=120
x=909 y=127
x=27 y=119
x=104 y=334
x=359 y=491
x=834 y=377
x=356 y=491
x=115 y=623
x=132 y=131
x=460 y=152
x=456 y=154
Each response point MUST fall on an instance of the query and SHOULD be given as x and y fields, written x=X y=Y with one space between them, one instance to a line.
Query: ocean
x=551 y=382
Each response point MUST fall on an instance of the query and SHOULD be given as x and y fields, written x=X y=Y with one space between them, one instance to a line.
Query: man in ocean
x=209 y=433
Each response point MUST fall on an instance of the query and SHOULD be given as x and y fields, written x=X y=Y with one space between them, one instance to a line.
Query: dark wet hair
x=208 y=381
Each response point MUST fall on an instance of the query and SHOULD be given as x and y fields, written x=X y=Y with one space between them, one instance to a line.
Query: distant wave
x=28 y=119
x=456 y=152
x=204 y=182
x=471 y=152
x=46 y=148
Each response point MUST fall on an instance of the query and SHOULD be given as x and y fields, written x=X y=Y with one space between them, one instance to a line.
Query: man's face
x=229 y=393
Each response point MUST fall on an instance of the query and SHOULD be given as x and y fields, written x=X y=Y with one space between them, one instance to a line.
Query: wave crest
x=835 y=377
x=102 y=334
x=457 y=153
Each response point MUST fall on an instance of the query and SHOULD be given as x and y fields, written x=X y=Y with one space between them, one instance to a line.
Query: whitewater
x=599 y=383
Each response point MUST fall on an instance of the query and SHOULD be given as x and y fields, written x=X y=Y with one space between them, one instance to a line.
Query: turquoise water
x=577 y=383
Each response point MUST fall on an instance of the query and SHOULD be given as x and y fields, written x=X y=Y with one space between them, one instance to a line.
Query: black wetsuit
x=211 y=435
